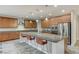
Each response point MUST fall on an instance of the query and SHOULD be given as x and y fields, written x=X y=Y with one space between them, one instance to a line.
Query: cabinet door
x=10 y=36
x=3 y=36
x=16 y=35
x=33 y=24
x=12 y=23
x=13 y=35
x=54 y=21
x=0 y=37
x=45 y=23
x=30 y=24
x=3 y=23
x=8 y=22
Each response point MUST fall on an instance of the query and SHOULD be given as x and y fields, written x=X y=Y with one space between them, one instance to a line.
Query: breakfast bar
x=45 y=42
x=48 y=43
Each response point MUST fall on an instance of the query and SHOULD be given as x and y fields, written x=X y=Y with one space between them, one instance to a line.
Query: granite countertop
x=48 y=37
x=33 y=32
x=18 y=30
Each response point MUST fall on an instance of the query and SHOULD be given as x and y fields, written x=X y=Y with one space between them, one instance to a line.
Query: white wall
x=20 y=26
x=74 y=27
x=78 y=28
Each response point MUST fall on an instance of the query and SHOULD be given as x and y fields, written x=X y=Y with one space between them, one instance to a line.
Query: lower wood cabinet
x=5 y=36
x=65 y=45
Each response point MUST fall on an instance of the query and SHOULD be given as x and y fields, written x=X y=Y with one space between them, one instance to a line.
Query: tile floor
x=17 y=47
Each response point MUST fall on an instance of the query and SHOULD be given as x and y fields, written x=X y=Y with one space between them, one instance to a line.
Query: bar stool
x=42 y=42
x=23 y=35
x=31 y=39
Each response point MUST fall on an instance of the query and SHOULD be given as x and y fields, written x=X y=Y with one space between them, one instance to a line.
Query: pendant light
x=46 y=13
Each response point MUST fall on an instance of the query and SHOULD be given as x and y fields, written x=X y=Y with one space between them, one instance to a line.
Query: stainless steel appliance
x=62 y=29
x=54 y=29
x=67 y=32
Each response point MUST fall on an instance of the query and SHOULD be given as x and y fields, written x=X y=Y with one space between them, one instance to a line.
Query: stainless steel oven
x=54 y=29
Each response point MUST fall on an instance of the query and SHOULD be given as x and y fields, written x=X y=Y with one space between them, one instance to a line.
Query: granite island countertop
x=46 y=36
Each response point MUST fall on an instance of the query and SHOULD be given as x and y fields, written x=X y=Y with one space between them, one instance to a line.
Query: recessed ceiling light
x=55 y=5
x=41 y=11
x=32 y=14
x=41 y=16
x=63 y=10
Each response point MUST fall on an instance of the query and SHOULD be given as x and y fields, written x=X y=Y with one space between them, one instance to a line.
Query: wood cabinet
x=61 y=19
x=30 y=24
x=65 y=44
x=45 y=23
x=5 y=36
x=8 y=22
x=55 y=21
x=13 y=35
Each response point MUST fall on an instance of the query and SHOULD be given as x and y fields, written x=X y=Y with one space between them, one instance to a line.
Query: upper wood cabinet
x=55 y=21
x=60 y=19
x=45 y=23
x=30 y=24
x=6 y=22
x=3 y=36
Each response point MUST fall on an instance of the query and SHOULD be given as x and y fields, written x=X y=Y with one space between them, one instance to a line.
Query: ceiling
x=36 y=11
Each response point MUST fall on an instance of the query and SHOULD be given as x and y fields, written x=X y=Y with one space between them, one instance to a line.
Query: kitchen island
x=46 y=36
x=54 y=44
x=45 y=42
